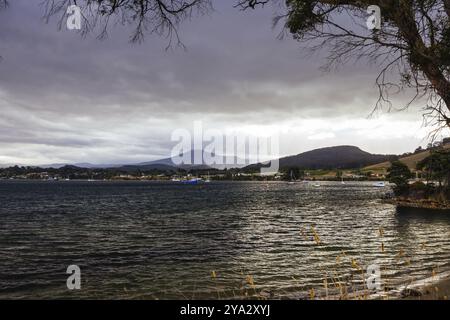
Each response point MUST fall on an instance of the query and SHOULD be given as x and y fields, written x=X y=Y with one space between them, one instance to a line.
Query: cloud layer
x=64 y=98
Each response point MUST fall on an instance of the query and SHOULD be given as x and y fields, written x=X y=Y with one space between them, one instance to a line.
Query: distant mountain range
x=338 y=157
x=80 y=165
x=160 y=164
x=170 y=162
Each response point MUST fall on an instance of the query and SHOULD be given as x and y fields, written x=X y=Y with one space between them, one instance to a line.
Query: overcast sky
x=64 y=98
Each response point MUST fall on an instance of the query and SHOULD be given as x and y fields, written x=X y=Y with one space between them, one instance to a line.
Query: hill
x=228 y=162
x=411 y=161
x=338 y=157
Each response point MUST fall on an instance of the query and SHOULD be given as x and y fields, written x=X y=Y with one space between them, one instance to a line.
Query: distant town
x=68 y=173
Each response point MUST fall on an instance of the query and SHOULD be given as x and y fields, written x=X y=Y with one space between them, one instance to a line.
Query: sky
x=69 y=99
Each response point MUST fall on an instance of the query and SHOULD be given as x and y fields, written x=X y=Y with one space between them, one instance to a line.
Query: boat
x=342 y=181
x=379 y=184
x=192 y=181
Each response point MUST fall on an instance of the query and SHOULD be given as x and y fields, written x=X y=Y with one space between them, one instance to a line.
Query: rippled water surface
x=163 y=240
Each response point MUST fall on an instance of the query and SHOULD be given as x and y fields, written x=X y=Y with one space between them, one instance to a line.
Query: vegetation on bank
x=434 y=193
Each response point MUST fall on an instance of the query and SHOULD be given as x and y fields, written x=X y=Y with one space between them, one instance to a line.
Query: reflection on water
x=163 y=240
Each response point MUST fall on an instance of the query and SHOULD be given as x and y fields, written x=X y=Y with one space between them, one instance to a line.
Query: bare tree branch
x=153 y=16
x=245 y=4
x=412 y=48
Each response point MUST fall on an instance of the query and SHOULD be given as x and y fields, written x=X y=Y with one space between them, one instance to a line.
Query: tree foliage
x=437 y=166
x=412 y=47
x=294 y=173
x=399 y=174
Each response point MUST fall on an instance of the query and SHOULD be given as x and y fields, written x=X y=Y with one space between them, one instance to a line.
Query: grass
x=345 y=280
x=411 y=161
x=336 y=285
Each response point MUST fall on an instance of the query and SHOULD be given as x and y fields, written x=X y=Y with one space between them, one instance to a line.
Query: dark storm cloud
x=111 y=97
x=232 y=58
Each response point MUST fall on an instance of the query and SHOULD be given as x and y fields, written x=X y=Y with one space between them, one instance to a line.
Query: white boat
x=379 y=184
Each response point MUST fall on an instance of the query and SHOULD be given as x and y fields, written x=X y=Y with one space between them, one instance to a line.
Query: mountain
x=147 y=167
x=160 y=164
x=339 y=157
x=79 y=165
x=170 y=162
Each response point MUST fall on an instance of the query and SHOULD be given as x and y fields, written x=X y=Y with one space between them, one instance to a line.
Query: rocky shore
x=419 y=203
x=428 y=290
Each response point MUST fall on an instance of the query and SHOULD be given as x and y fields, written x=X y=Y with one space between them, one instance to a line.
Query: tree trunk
x=421 y=56
x=447 y=7
x=448 y=180
x=439 y=82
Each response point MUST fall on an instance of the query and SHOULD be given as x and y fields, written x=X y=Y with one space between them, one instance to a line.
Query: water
x=159 y=240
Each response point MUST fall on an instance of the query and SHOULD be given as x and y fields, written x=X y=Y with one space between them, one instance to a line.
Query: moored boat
x=379 y=184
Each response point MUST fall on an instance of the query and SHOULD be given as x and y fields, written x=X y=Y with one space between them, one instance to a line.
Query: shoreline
x=419 y=203
x=434 y=288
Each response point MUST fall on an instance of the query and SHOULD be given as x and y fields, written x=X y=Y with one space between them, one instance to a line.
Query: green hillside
x=411 y=161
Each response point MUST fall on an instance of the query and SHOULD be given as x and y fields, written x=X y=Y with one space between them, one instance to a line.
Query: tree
x=437 y=166
x=413 y=41
x=419 y=149
x=399 y=174
x=294 y=173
